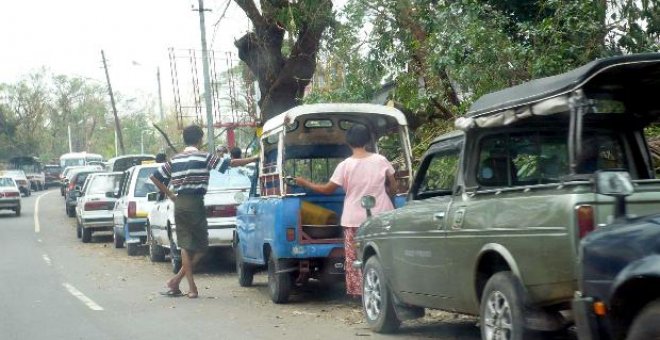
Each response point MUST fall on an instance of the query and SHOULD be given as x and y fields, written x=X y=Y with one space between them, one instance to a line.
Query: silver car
x=226 y=191
x=94 y=209
x=10 y=195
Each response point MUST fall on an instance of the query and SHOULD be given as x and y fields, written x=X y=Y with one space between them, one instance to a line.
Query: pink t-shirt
x=359 y=177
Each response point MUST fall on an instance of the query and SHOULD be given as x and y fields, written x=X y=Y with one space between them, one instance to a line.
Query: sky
x=66 y=37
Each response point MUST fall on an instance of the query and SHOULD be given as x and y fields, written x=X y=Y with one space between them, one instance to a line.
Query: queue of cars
x=518 y=216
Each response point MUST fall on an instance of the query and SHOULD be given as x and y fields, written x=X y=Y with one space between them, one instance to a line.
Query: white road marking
x=80 y=296
x=47 y=259
x=37 y=227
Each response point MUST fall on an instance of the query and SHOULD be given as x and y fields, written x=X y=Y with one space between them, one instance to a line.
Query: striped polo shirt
x=188 y=172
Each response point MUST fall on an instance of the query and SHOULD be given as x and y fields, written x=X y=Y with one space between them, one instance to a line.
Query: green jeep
x=497 y=208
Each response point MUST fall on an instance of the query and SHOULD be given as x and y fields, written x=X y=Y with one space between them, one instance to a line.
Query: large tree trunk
x=282 y=79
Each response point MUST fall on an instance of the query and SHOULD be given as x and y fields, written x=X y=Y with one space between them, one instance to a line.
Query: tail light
x=585 y=219
x=290 y=234
x=9 y=194
x=221 y=211
x=132 y=209
x=99 y=205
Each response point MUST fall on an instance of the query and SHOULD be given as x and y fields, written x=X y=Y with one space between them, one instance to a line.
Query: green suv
x=498 y=207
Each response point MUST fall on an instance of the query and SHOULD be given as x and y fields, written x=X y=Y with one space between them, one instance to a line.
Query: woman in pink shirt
x=364 y=173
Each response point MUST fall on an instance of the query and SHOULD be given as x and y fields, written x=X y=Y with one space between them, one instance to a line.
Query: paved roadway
x=54 y=287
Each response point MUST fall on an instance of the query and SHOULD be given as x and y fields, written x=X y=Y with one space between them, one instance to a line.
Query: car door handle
x=439 y=216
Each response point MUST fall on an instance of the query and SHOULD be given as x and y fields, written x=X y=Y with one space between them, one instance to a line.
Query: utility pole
x=160 y=96
x=114 y=107
x=207 y=80
x=68 y=130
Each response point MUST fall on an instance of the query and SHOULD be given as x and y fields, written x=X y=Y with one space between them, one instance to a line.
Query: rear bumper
x=96 y=221
x=221 y=235
x=10 y=203
x=134 y=231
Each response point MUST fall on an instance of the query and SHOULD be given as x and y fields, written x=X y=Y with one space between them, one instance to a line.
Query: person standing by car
x=188 y=173
x=364 y=173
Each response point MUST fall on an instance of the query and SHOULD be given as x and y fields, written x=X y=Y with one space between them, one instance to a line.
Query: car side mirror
x=77 y=188
x=152 y=197
x=618 y=184
x=368 y=202
x=110 y=194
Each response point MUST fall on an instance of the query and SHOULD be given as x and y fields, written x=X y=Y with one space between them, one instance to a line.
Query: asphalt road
x=52 y=286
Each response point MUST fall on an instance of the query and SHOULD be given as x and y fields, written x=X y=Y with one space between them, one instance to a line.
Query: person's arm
x=243 y=161
x=327 y=188
x=163 y=188
x=391 y=185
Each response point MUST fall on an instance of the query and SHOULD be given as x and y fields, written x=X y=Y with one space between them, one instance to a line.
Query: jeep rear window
x=542 y=157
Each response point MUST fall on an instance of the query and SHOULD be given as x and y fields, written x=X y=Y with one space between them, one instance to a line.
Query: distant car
x=619 y=272
x=226 y=191
x=69 y=171
x=10 y=195
x=52 y=173
x=130 y=214
x=94 y=209
x=75 y=185
x=21 y=180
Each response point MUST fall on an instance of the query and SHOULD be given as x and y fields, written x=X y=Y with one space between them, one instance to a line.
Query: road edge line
x=37 y=226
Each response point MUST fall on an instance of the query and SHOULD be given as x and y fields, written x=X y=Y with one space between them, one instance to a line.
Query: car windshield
x=72 y=162
x=100 y=184
x=233 y=178
x=7 y=182
x=143 y=184
x=15 y=174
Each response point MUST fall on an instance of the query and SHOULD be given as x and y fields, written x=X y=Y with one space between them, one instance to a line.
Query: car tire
x=117 y=240
x=156 y=252
x=70 y=211
x=502 y=310
x=244 y=271
x=78 y=230
x=645 y=325
x=132 y=249
x=18 y=211
x=175 y=259
x=279 y=284
x=86 y=235
x=377 y=299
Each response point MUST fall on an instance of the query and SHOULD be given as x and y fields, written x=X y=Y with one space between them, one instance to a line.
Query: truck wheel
x=502 y=310
x=245 y=271
x=377 y=301
x=132 y=248
x=86 y=235
x=279 y=284
x=645 y=325
x=118 y=241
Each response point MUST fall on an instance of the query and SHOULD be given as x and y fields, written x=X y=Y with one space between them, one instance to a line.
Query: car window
x=438 y=174
x=7 y=182
x=144 y=185
x=233 y=178
x=319 y=170
x=101 y=184
x=81 y=177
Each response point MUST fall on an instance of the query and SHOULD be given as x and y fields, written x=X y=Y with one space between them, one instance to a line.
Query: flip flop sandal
x=172 y=293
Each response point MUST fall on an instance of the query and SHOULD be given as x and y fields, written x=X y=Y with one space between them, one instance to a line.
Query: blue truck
x=292 y=232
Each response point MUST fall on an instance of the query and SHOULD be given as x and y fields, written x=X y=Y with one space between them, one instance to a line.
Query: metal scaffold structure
x=233 y=94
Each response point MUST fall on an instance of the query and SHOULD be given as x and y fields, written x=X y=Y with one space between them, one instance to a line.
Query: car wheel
x=78 y=230
x=86 y=235
x=70 y=211
x=175 y=258
x=502 y=310
x=245 y=271
x=156 y=252
x=132 y=248
x=645 y=325
x=118 y=241
x=279 y=284
x=18 y=211
x=377 y=301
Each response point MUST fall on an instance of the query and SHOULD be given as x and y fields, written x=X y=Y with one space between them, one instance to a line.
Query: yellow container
x=313 y=214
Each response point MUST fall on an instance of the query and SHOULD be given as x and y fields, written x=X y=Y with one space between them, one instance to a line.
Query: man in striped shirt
x=188 y=175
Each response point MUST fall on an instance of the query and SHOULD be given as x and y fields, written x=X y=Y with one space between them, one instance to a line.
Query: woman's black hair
x=192 y=135
x=358 y=136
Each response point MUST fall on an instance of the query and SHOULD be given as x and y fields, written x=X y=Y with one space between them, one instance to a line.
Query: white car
x=95 y=206
x=21 y=180
x=132 y=207
x=10 y=195
x=226 y=191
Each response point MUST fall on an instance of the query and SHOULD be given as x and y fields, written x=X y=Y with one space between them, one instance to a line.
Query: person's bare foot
x=192 y=295
x=172 y=285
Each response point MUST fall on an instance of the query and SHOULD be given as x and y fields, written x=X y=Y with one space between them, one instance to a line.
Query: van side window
x=439 y=175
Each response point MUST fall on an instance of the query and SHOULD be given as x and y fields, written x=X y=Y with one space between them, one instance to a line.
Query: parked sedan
x=21 y=180
x=96 y=203
x=10 y=196
x=74 y=188
x=226 y=191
